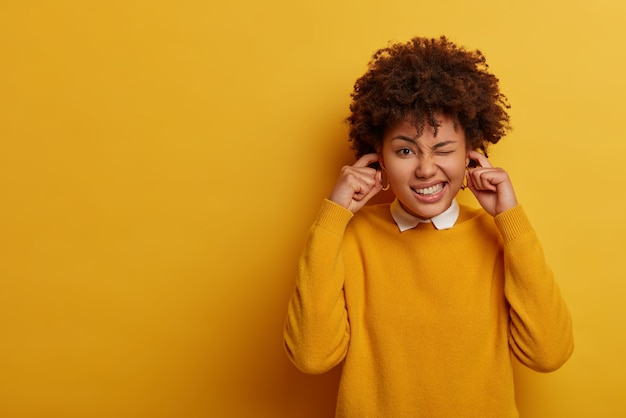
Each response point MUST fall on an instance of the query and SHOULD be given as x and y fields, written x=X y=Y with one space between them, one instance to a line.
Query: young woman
x=424 y=301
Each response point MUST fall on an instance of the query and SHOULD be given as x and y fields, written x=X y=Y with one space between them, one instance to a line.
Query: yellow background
x=161 y=161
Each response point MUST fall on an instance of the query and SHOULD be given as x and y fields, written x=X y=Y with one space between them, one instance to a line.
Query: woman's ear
x=381 y=161
x=472 y=162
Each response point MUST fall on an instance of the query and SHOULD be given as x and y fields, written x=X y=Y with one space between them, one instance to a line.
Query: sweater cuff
x=333 y=217
x=513 y=223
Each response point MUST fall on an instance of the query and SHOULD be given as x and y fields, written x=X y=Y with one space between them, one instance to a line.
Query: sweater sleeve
x=317 y=331
x=540 y=331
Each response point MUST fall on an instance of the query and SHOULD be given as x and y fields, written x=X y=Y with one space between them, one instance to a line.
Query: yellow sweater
x=425 y=320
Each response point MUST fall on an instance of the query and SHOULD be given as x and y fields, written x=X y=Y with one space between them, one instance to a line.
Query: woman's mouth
x=429 y=191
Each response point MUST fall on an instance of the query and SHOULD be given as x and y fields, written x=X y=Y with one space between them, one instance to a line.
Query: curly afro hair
x=411 y=81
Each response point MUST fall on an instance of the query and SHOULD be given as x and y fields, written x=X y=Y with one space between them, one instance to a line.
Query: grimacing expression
x=425 y=172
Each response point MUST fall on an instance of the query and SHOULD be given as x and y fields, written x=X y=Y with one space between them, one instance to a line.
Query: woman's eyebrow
x=442 y=144
x=405 y=138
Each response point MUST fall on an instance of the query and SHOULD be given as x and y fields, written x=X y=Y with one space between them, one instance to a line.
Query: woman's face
x=425 y=172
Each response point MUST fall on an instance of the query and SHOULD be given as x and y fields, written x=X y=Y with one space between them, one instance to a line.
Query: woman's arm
x=540 y=333
x=317 y=331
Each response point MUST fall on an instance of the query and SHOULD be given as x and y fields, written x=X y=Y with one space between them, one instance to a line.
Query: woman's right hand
x=357 y=184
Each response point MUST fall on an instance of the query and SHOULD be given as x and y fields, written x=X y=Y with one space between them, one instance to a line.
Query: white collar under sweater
x=405 y=220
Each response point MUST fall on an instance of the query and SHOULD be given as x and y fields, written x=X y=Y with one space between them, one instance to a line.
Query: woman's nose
x=425 y=167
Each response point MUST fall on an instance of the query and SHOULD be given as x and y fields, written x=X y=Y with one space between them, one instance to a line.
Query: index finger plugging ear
x=366 y=160
x=357 y=183
x=479 y=158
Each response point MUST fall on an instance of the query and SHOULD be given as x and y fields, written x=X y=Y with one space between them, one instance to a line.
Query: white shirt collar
x=405 y=220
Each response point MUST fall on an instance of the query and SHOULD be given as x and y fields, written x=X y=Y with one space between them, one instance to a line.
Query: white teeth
x=430 y=190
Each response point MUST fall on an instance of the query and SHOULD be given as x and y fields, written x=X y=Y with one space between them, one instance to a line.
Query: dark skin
x=358 y=183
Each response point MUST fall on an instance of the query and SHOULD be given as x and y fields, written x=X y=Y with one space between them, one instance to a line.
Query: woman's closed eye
x=442 y=152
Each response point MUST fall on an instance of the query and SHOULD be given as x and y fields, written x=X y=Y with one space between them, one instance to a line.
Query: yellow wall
x=161 y=161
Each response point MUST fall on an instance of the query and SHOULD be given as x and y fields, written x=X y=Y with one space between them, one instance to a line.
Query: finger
x=360 y=200
x=480 y=158
x=363 y=175
x=373 y=191
x=366 y=160
x=357 y=181
x=485 y=178
x=363 y=186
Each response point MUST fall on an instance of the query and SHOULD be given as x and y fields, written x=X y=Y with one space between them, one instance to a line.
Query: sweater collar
x=405 y=220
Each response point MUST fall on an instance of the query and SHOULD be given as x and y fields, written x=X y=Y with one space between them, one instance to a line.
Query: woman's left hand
x=491 y=185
